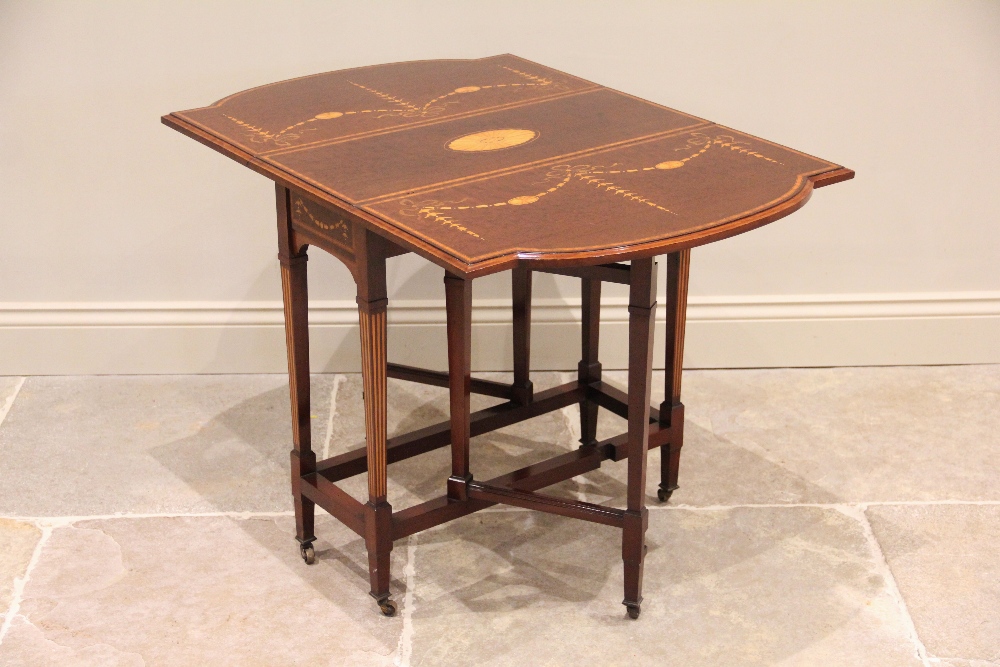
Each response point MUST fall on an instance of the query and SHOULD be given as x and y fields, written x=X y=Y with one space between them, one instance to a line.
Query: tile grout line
x=337 y=379
x=405 y=647
x=21 y=582
x=858 y=513
x=5 y=408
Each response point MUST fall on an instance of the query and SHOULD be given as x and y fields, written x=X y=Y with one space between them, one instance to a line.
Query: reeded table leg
x=372 y=303
x=671 y=409
x=642 y=311
x=295 y=296
x=589 y=368
x=458 y=303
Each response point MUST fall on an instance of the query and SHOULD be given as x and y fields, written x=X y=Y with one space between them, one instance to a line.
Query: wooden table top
x=481 y=164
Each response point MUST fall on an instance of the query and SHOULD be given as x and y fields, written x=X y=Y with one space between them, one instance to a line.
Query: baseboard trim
x=406 y=312
x=730 y=331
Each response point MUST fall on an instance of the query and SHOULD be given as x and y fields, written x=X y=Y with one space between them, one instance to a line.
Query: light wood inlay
x=331 y=225
x=485 y=164
x=491 y=140
x=373 y=366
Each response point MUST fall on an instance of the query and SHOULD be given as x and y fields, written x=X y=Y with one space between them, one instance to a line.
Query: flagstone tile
x=17 y=544
x=75 y=446
x=824 y=435
x=946 y=562
x=751 y=586
x=199 y=591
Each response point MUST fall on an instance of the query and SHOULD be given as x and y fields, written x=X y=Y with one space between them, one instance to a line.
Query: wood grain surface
x=481 y=165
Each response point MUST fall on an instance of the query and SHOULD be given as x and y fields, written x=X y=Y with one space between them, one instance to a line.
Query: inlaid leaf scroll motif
x=336 y=229
x=611 y=180
x=394 y=107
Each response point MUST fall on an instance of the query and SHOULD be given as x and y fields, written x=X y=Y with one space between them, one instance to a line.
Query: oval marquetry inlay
x=491 y=140
x=524 y=199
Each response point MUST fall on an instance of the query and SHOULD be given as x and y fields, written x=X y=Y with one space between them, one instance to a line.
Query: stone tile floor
x=828 y=517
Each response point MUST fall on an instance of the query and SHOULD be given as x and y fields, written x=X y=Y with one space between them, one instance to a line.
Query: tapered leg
x=671 y=409
x=295 y=296
x=589 y=368
x=521 y=292
x=458 y=302
x=642 y=311
x=294 y=291
x=372 y=304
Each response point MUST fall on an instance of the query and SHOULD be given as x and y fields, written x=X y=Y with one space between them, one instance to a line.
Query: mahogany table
x=483 y=166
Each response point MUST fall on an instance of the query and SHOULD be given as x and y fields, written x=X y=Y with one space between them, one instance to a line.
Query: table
x=482 y=166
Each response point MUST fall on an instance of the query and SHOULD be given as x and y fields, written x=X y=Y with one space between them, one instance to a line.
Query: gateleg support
x=670 y=452
x=634 y=557
x=589 y=368
x=458 y=304
x=671 y=409
x=642 y=317
x=522 y=388
x=305 y=509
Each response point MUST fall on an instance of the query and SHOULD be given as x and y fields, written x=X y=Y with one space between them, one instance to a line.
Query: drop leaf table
x=481 y=166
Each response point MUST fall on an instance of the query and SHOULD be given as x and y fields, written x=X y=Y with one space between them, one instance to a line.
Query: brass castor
x=633 y=611
x=388 y=608
x=308 y=553
x=664 y=495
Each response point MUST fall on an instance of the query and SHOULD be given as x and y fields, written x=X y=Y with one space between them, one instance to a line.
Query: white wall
x=125 y=247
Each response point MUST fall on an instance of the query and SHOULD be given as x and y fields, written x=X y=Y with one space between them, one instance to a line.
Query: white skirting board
x=722 y=332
